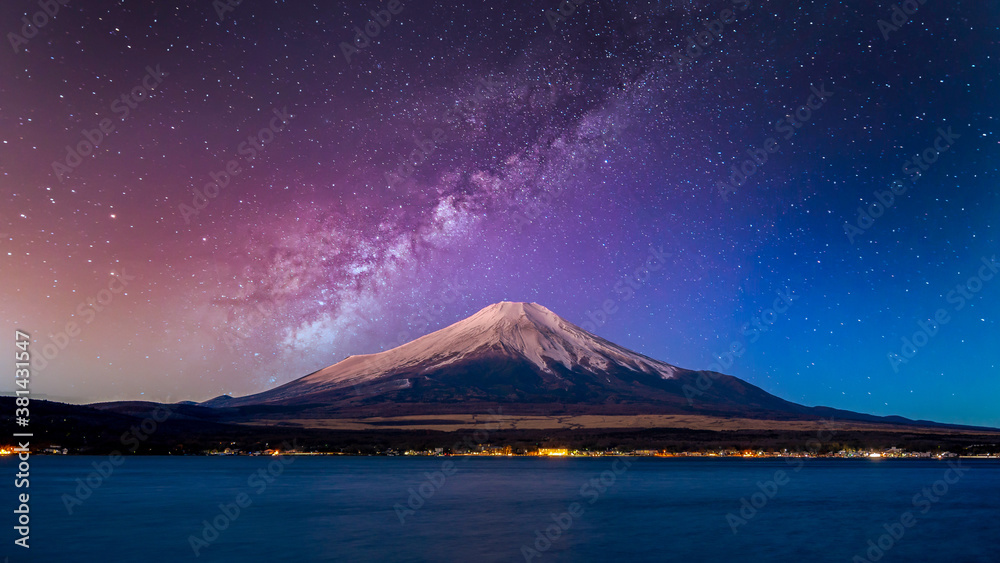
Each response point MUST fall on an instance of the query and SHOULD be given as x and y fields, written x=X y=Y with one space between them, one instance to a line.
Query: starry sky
x=270 y=192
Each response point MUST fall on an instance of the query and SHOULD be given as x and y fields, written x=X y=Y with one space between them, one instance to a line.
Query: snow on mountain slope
x=525 y=357
x=517 y=330
x=527 y=330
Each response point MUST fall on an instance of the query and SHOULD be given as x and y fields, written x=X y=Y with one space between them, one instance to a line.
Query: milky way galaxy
x=208 y=198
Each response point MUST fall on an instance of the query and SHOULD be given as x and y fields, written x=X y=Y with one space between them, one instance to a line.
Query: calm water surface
x=342 y=509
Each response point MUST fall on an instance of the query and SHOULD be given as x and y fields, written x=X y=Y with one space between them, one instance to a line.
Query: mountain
x=540 y=378
x=525 y=357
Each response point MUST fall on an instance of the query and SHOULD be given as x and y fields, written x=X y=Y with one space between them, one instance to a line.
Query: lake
x=357 y=509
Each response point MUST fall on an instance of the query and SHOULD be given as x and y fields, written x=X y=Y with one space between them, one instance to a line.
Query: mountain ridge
x=518 y=353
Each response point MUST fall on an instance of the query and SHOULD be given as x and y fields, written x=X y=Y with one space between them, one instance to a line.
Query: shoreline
x=578 y=456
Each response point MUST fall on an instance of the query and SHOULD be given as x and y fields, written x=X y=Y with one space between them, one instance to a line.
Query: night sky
x=487 y=151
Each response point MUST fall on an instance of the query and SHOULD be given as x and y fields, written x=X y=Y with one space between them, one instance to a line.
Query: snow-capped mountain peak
x=523 y=331
x=521 y=355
